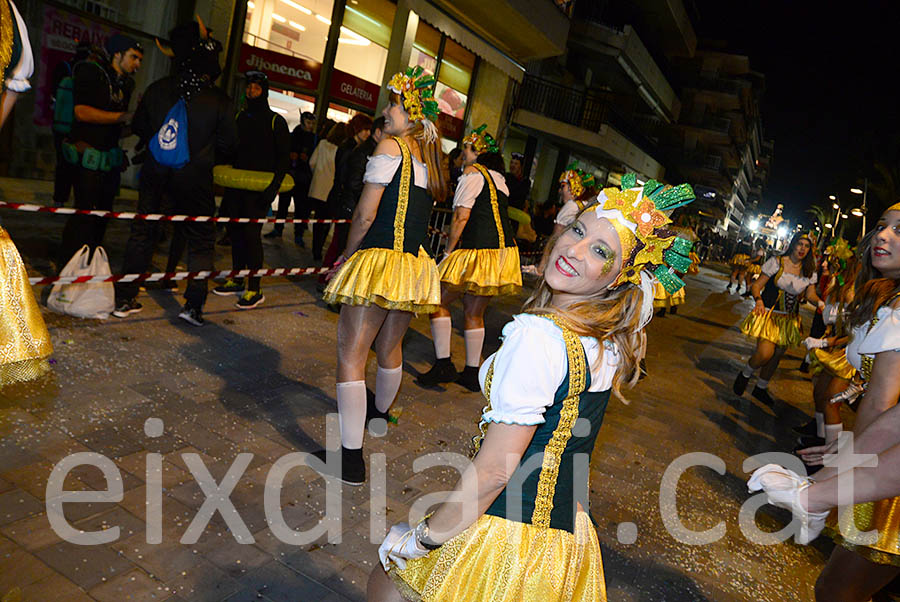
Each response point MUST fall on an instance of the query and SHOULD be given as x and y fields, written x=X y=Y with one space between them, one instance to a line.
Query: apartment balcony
x=712 y=130
x=590 y=119
x=625 y=51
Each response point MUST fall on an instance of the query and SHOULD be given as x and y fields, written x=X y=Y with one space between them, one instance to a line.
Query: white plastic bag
x=90 y=299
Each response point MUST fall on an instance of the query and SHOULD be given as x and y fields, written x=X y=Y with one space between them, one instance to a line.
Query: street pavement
x=262 y=381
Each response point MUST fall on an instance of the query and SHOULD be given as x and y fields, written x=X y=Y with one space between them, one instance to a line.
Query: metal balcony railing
x=584 y=109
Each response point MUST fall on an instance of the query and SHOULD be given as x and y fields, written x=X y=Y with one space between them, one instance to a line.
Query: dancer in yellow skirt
x=515 y=531
x=481 y=261
x=754 y=266
x=388 y=275
x=739 y=263
x=24 y=340
x=663 y=300
x=775 y=319
x=863 y=563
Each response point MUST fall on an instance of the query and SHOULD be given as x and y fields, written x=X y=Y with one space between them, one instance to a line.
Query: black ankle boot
x=763 y=396
x=349 y=467
x=469 y=379
x=740 y=383
x=443 y=371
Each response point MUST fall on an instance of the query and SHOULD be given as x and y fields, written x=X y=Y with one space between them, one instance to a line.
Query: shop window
x=295 y=27
x=365 y=37
x=426 y=48
x=454 y=79
x=290 y=105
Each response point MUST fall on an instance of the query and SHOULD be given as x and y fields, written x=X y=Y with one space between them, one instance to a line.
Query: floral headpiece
x=481 y=141
x=640 y=216
x=577 y=178
x=416 y=90
x=840 y=251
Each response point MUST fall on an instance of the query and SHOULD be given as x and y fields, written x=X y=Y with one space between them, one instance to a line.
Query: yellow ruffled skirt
x=389 y=279
x=833 y=362
x=695 y=264
x=883 y=515
x=754 y=269
x=781 y=329
x=662 y=298
x=740 y=260
x=506 y=561
x=24 y=339
x=486 y=272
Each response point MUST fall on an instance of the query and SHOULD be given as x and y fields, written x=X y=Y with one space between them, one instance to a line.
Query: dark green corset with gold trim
x=488 y=226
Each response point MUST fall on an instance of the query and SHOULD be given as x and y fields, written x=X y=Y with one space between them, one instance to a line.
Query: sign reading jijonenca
x=281 y=68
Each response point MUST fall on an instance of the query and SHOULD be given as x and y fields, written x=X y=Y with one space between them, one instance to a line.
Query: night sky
x=831 y=101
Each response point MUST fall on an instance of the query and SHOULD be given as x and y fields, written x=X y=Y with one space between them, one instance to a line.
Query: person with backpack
x=101 y=92
x=264 y=143
x=188 y=125
x=63 y=107
x=303 y=142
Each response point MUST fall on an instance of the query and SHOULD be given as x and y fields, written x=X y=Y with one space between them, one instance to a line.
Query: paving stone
x=87 y=566
x=134 y=585
x=280 y=584
x=20 y=568
x=32 y=533
x=17 y=504
x=57 y=588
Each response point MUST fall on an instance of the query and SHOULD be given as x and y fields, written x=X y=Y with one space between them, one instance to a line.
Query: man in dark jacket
x=211 y=139
x=101 y=92
x=303 y=143
x=62 y=180
x=263 y=145
x=348 y=186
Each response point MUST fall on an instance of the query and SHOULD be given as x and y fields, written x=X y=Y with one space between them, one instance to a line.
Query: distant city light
x=844 y=216
x=831 y=197
x=856 y=191
x=857 y=211
x=782 y=231
x=753 y=225
x=835 y=206
x=828 y=225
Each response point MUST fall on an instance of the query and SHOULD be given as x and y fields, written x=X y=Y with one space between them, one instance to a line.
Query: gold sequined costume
x=553 y=553
x=24 y=340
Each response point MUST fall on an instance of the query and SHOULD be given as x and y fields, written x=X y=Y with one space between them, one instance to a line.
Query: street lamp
x=828 y=226
x=857 y=211
x=864 y=193
x=753 y=225
x=831 y=197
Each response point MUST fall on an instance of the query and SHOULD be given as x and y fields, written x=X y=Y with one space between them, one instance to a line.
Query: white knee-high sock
x=474 y=342
x=832 y=431
x=762 y=384
x=748 y=371
x=387 y=383
x=820 y=424
x=351 y=402
x=440 y=334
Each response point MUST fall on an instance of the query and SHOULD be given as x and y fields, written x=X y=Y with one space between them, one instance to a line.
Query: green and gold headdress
x=417 y=93
x=640 y=216
x=577 y=178
x=481 y=141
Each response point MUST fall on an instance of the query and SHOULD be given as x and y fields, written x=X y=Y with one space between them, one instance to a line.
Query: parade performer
x=858 y=569
x=775 y=319
x=754 y=266
x=521 y=530
x=388 y=275
x=481 y=260
x=576 y=191
x=663 y=300
x=739 y=263
x=16 y=59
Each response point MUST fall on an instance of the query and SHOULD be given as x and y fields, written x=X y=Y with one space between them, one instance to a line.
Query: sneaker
x=231 y=287
x=740 y=383
x=192 y=315
x=763 y=396
x=806 y=430
x=443 y=371
x=276 y=233
x=250 y=299
x=351 y=467
x=468 y=378
x=126 y=308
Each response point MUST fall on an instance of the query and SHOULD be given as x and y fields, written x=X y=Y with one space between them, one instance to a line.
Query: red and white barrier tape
x=157 y=217
x=157 y=276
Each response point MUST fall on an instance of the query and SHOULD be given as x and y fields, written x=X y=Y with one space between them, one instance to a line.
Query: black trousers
x=93 y=190
x=320 y=231
x=190 y=192
x=246 y=239
x=64 y=176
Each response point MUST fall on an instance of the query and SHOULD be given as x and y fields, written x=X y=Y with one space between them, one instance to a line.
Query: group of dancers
x=858 y=360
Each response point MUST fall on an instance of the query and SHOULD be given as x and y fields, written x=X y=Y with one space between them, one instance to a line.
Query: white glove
x=850 y=394
x=811 y=343
x=399 y=546
x=783 y=487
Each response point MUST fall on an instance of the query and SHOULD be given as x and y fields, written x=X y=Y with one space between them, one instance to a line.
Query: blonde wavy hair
x=609 y=315
x=431 y=153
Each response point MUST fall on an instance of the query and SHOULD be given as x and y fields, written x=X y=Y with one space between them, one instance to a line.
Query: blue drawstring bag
x=170 y=145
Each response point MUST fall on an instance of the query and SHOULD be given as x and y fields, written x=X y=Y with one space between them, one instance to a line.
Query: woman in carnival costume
x=521 y=530
x=832 y=375
x=481 y=260
x=385 y=274
x=576 y=191
x=739 y=263
x=24 y=339
x=775 y=319
x=862 y=563
x=663 y=300
x=754 y=266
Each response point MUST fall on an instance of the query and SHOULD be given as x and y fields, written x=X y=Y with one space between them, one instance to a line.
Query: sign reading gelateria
x=281 y=68
x=352 y=89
